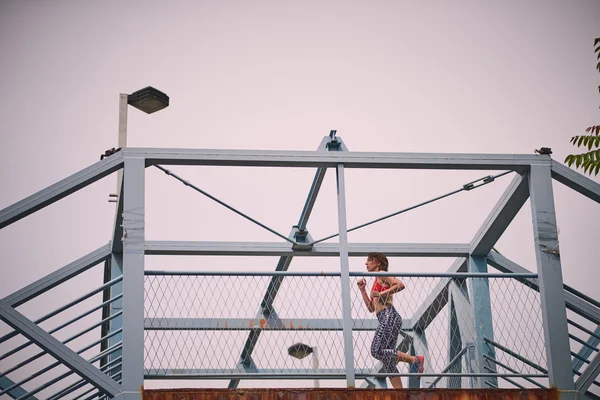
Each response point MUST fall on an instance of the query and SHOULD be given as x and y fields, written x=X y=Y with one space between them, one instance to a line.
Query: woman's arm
x=363 y=291
x=395 y=286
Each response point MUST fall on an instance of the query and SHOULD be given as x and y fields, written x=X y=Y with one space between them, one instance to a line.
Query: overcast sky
x=401 y=76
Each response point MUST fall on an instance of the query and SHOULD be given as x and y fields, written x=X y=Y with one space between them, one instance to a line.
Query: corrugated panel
x=351 y=394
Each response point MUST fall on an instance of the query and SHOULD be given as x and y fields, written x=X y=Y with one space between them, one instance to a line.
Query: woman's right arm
x=363 y=291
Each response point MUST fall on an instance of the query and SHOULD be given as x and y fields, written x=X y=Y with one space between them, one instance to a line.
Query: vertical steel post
x=484 y=327
x=345 y=277
x=552 y=293
x=133 y=278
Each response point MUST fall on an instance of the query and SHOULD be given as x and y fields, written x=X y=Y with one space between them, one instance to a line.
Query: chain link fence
x=228 y=325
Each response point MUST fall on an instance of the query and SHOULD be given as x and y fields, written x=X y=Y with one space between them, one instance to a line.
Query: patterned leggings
x=386 y=335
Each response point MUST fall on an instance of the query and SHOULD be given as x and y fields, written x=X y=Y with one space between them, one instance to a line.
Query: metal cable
x=166 y=171
x=466 y=187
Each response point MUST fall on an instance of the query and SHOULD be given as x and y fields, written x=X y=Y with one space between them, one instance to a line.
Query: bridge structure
x=483 y=330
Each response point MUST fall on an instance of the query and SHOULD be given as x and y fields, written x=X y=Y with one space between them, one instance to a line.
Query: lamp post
x=148 y=100
x=301 y=350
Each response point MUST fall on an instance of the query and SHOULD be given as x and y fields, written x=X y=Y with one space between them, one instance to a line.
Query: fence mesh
x=213 y=324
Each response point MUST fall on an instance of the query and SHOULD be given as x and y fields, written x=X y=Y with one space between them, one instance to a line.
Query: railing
x=80 y=324
x=196 y=325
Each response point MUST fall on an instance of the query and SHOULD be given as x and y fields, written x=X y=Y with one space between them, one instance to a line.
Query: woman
x=390 y=322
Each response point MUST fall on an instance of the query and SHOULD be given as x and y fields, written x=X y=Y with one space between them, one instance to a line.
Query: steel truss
x=124 y=258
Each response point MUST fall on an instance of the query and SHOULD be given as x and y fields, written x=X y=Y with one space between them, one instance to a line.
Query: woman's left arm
x=395 y=285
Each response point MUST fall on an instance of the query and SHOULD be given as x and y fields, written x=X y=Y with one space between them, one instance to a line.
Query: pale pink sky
x=402 y=76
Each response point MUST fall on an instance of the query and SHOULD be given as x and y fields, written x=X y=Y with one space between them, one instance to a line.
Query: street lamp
x=301 y=350
x=148 y=100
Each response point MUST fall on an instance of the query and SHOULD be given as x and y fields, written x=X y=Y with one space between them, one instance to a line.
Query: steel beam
x=586 y=351
x=345 y=277
x=482 y=317
x=576 y=181
x=589 y=375
x=57 y=277
x=117 y=237
x=554 y=313
x=61 y=189
x=133 y=277
x=437 y=299
x=266 y=306
x=513 y=198
x=16 y=392
x=58 y=350
x=573 y=302
x=420 y=347
x=304 y=159
x=283 y=249
x=241 y=324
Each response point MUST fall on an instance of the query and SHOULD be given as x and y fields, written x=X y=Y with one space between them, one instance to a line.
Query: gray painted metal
x=589 y=375
x=455 y=340
x=241 y=324
x=133 y=277
x=283 y=264
x=57 y=277
x=57 y=350
x=312 y=197
x=576 y=181
x=506 y=367
x=554 y=313
x=482 y=317
x=354 y=273
x=573 y=303
x=420 y=347
x=436 y=300
x=345 y=277
x=586 y=351
x=318 y=250
x=117 y=237
x=272 y=158
x=516 y=355
x=59 y=327
x=298 y=374
x=512 y=200
x=116 y=270
x=5 y=383
x=61 y=189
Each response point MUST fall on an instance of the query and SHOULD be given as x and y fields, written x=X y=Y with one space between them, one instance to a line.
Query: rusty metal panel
x=350 y=394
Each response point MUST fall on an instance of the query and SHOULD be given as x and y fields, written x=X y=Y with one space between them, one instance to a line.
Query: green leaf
x=578 y=160
x=580 y=140
x=598 y=66
x=568 y=159
x=590 y=142
x=573 y=139
x=597 y=129
x=585 y=166
x=597 y=169
x=597 y=141
x=596 y=41
x=597 y=154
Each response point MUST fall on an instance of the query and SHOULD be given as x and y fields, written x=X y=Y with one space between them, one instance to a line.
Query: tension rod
x=466 y=187
x=186 y=183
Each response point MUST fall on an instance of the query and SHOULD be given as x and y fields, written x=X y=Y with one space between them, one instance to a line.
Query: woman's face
x=372 y=265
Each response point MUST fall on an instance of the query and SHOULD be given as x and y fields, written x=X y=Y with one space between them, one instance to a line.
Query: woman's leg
x=384 y=343
x=383 y=346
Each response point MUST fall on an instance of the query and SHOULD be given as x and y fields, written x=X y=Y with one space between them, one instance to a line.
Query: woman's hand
x=361 y=284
